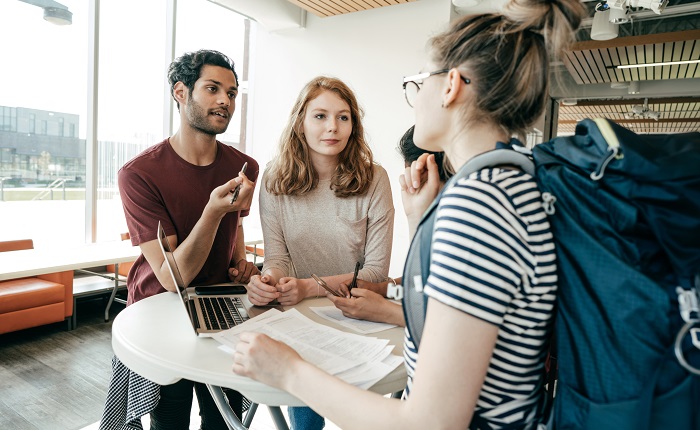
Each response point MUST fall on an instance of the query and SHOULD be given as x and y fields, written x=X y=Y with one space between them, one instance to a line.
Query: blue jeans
x=303 y=418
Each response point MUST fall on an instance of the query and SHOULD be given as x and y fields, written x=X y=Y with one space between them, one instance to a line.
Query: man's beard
x=198 y=119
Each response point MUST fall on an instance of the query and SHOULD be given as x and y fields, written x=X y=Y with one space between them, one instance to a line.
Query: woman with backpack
x=492 y=276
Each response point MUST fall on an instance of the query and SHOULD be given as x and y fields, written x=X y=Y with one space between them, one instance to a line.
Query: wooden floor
x=55 y=379
x=51 y=378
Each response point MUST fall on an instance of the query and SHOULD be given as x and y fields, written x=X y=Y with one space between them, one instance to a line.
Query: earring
x=445 y=106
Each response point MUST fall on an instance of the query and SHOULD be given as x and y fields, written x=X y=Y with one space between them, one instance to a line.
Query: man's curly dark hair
x=187 y=68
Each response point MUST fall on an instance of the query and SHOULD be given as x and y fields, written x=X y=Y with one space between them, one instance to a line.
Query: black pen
x=353 y=284
x=238 y=187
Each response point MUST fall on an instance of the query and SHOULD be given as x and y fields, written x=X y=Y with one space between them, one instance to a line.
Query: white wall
x=370 y=51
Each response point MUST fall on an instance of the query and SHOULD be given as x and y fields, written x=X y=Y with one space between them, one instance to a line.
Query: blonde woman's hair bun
x=557 y=20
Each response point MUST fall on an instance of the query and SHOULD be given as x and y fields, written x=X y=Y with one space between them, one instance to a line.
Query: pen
x=238 y=187
x=353 y=284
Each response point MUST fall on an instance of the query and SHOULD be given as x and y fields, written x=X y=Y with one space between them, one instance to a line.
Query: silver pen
x=238 y=187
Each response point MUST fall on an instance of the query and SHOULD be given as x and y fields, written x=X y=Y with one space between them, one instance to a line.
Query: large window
x=44 y=107
x=130 y=97
x=44 y=73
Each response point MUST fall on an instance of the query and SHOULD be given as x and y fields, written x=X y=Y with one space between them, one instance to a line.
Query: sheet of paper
x=330 y=349
x=286 y=327
x=331 y=313
x=372 y=372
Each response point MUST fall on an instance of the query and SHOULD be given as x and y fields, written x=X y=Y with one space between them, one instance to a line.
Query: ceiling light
x=54 y=12
x=58 y=16
x=664 y=63
x=602 y=28
x=619 y=85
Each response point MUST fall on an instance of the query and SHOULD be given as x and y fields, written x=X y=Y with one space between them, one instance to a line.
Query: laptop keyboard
x=221 y=313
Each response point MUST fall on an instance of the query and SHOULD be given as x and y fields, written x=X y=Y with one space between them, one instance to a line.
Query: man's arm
x=192 y=253
x=239 y=250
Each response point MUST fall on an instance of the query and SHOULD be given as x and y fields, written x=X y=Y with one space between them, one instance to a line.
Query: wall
x=371 y=51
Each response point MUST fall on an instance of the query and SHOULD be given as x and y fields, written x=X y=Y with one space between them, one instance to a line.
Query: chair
x=36 y=300
x=123 y=268
x=256 y=249
x=121 y=271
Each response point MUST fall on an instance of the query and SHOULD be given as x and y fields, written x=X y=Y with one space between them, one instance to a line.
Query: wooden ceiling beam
x=632 y=102
x=645 y=39
x=640 y=121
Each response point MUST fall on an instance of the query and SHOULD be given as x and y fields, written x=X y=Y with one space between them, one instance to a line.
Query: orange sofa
x=37 y=300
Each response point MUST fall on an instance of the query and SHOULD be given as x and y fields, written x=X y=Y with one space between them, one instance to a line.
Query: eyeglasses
x=411 y=84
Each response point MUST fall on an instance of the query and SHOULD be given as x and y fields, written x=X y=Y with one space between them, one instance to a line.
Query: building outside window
x=8 y=119
x=43 y=125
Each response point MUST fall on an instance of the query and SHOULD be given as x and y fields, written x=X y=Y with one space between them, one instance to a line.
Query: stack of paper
x=331 y=313
x=358 y=360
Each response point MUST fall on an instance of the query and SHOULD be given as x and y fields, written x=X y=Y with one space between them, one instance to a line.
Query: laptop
x=209 y=313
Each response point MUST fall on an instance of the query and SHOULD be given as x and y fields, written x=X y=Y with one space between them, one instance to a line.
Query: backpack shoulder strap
x=502 y=157
x=417 y=265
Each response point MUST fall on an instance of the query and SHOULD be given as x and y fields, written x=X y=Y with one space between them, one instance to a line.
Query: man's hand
x=220 y=197
x=242 y=271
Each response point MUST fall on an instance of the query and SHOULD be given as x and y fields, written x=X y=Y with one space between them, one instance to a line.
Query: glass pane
x=43 y=124
x=225 y=32
x=131 y=93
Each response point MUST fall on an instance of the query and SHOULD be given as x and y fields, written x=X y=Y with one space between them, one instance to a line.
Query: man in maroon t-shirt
x=186 y=182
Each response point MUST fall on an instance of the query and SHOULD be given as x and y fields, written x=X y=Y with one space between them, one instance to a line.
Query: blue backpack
x=625 y=213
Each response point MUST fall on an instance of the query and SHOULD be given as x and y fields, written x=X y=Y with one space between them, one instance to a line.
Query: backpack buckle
x=393 y=290
x=548 y=200
x=688 y=304
x=689 y=307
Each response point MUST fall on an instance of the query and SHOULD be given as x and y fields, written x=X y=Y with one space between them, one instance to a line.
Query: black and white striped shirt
x=494 y=258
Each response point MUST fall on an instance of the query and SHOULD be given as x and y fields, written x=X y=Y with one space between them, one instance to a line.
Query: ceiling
x=594 y=61
x=586 y=78
x=676 y=115
x=587 y=83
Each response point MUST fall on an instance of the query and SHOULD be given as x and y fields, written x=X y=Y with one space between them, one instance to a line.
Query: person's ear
x=180 y=92
x=453 y=89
